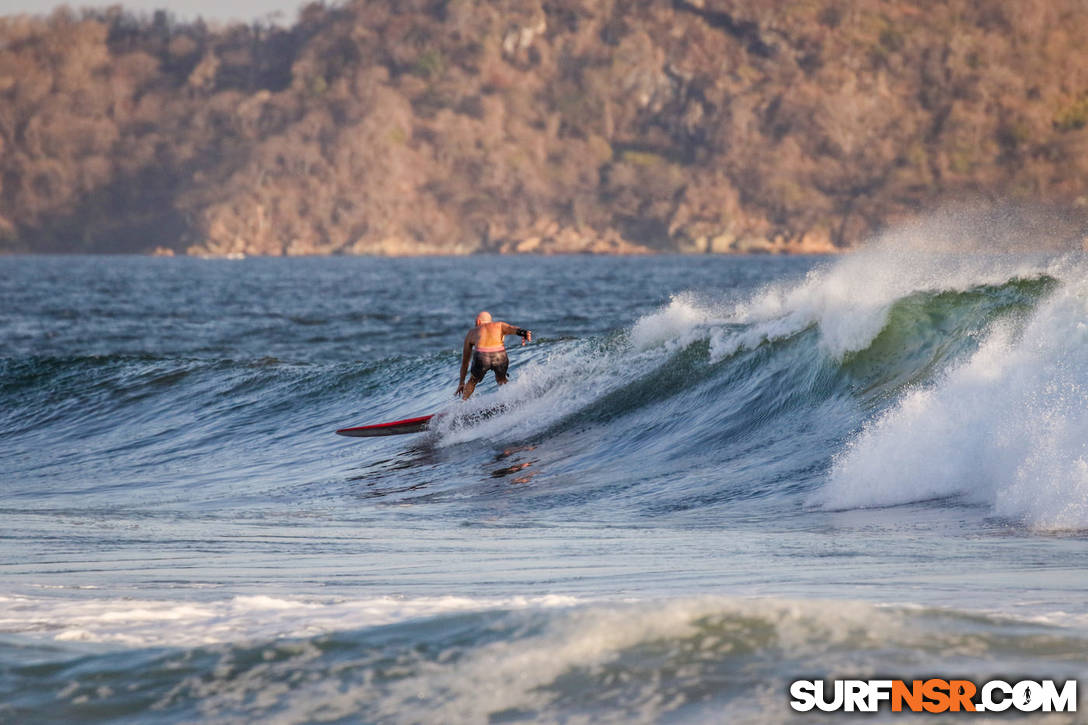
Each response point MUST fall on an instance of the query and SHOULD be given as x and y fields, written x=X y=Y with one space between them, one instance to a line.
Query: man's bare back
x=490 y=334
x=485 y=347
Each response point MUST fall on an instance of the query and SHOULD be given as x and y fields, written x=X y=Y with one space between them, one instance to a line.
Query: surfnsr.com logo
x=933 y=695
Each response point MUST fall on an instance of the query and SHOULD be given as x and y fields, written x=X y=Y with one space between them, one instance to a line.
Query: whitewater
x=707 y=477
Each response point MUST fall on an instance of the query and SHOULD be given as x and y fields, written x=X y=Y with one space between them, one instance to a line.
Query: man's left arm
x=525 y=335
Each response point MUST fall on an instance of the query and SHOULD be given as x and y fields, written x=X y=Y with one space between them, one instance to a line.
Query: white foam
x=515 y=673
x=674 y=326
x=848 y=301
x=689 y=642
x=148 y=623
x=1007 y=429
x=648 y=655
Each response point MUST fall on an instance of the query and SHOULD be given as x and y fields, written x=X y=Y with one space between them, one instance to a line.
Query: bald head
x=483 y=318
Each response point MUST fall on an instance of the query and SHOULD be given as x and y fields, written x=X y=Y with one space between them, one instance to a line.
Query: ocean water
x=708 y=477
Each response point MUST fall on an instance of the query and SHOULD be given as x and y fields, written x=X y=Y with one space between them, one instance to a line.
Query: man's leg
x=469 y=387
x=475 y=375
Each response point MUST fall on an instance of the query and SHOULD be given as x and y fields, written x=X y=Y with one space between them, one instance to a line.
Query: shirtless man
x=490 y=353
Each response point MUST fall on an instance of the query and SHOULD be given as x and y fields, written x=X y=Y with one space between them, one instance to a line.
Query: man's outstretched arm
x=526 y=335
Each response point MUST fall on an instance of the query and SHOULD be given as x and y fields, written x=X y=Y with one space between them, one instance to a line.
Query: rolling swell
x=111 y=421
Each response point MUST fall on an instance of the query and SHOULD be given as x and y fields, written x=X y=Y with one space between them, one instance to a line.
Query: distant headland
x=405 y=127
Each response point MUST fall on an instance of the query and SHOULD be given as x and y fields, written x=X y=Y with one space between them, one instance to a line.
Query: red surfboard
x=397 y=427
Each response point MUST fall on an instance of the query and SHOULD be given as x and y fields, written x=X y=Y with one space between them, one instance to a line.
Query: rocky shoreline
x=548 y=240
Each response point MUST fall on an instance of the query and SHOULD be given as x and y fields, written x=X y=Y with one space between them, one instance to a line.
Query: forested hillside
x=454 y=126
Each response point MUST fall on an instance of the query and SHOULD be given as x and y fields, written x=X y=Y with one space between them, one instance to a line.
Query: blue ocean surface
x=708 y=477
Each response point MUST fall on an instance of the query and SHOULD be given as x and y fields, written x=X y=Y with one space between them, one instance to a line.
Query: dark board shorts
x=484 y=361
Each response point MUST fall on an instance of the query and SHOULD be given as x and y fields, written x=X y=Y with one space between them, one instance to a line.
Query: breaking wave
x=887 y=377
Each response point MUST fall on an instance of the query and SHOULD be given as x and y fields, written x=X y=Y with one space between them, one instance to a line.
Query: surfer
x=490 y=352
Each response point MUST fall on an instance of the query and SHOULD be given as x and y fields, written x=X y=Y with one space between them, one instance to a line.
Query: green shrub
x=430 y=64
x=1074 y=116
